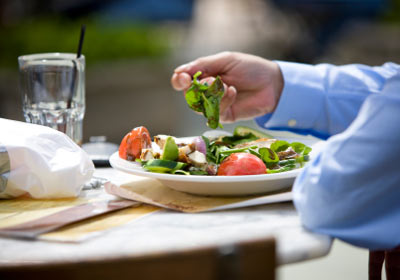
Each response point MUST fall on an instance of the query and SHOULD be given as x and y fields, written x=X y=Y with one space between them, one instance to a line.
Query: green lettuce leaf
x=269 y=157
x=239 y=139
x=279 y=146
x=300 y=148
x=206 y=99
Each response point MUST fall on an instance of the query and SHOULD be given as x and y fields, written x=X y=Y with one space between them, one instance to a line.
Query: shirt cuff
x=302 y=99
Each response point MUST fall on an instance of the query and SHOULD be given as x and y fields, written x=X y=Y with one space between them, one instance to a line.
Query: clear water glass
x=53 y=91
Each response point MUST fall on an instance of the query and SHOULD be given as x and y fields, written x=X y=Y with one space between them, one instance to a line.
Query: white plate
x=222 y=185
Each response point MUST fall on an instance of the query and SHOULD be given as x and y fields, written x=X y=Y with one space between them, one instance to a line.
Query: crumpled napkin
x=153 y=192
x=41 y=162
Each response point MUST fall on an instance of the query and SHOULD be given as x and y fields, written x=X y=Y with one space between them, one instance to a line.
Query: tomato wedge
x=241 y=164
x=132 y=144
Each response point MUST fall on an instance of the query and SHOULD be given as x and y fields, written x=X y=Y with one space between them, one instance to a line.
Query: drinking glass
x=53 y=91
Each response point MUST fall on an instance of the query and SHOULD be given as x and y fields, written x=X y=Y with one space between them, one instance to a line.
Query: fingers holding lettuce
x=229 y=86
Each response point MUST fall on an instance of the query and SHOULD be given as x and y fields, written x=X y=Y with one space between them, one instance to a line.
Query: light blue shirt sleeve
x=351 y=189
x=324 y=99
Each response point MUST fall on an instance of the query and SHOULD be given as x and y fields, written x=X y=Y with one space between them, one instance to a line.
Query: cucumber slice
x=163 y=166
x=243 y=130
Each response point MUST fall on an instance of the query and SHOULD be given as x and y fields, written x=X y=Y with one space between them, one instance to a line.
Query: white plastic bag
x=40 y=161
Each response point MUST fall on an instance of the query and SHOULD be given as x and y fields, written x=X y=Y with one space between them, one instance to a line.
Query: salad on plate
x=245 y=152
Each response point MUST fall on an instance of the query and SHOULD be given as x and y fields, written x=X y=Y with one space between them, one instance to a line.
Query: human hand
x=253 y=85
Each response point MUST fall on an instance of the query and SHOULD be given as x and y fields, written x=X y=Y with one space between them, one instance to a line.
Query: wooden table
x=168 y=232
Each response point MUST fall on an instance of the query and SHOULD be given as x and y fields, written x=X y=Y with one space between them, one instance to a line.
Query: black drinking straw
x=79 y=52
x=78 y=55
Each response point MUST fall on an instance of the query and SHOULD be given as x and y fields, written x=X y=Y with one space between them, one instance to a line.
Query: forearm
x=324 y=99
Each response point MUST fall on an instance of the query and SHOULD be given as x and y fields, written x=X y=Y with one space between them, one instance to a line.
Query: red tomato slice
x=133 y=143
x=241 y=164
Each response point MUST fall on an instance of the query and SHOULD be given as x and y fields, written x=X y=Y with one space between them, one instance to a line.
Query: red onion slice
x=200 y=145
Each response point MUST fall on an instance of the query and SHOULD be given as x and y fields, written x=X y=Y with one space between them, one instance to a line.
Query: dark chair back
x=241 y=261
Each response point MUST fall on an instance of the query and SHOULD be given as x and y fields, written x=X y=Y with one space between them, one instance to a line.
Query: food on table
x=241 y=164
x=163 y=166
x=206 y=98
x=170 y=149
x=246 y=152
x=244 y=130
x=134 y=142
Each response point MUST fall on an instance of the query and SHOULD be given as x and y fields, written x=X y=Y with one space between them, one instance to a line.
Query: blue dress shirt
x=350 y=190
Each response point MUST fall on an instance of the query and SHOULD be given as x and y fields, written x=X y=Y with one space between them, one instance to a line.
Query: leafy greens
x=206 y=98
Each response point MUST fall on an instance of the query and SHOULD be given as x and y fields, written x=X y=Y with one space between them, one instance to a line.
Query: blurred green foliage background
x=102 y=42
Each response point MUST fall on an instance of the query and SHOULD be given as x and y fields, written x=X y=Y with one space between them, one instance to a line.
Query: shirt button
x=292 y=123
